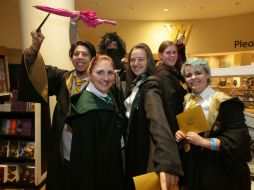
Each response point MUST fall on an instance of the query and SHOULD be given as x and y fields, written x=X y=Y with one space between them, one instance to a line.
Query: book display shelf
x=24 y=134
x=23 y=146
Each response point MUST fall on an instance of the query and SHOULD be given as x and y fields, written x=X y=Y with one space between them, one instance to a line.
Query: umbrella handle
x=39 y=28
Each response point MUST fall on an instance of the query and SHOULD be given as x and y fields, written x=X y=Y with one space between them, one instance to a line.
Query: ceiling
x=154 y=9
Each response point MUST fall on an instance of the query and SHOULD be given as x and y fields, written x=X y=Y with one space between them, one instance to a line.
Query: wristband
x=213 y=144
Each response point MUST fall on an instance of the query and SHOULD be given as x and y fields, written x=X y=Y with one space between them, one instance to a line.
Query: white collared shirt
x=128 y=101
x=86 y=79
x=91 y=88
x=67 y=135
x=205 y=100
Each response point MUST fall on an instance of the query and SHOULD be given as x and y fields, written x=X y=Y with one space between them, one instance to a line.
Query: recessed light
x=165 y=10
x=94 y=3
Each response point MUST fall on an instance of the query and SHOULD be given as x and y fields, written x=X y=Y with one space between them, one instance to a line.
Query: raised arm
x=181 y=58
x=33 y=77
x=73 y=29
x=31 y=53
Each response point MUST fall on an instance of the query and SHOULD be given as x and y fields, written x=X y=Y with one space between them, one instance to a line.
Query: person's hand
x=117 y=78
x=76 y=18
x=37 y=39
x=180 y=40
x=195 y=138
x=124 y=60
x=179 y=135
x=167 y=181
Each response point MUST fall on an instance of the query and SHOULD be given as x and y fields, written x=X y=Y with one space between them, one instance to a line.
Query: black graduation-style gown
x=96 y=159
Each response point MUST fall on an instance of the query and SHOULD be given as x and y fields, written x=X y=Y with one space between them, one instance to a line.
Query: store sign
x=244 y=44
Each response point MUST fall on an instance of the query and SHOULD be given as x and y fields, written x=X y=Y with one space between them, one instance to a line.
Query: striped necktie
x=78 y=83
x=108 y=99
x=192 y=103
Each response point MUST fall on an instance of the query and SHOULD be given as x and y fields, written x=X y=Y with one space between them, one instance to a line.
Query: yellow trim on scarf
x=69 y=82
x=217 y=99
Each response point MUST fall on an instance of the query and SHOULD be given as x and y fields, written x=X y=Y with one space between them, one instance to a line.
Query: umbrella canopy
x=89 y=17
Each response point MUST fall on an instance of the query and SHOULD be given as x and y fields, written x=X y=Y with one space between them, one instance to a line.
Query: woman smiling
x=96 y=157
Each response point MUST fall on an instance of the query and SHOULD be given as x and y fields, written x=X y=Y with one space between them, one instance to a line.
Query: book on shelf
x=17 y=105
x=25 y=127
x=20 y=106
x=5 y=126
x=17 y=173
x=21 y=127
x=26 y=149
x=13 y=173
x=6 y=107
x=12 y=127
x=13 y=149
x=26 y=174
x=3 y=173
x=4 y=148
x=17 y=149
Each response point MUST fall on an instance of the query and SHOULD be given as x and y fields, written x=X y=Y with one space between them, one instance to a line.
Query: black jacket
x=150 y=143
x=96 y=157
x=172 y=92
x=49 y=81
x=226 y=168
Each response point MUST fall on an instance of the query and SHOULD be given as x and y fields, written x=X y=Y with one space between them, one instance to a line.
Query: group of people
x=103 y=136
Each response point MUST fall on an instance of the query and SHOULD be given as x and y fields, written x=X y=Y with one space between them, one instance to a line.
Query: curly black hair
x=109 y=37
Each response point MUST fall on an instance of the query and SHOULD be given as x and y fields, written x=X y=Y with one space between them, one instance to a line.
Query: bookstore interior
x=23 y=145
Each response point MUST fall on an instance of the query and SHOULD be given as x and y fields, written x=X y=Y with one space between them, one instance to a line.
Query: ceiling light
x=94 y=3
x=165 y=10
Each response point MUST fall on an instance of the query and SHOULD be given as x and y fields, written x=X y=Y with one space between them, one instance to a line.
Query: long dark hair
x=150 y=70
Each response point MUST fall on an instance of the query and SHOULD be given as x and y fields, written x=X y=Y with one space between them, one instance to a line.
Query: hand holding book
x=193 y=120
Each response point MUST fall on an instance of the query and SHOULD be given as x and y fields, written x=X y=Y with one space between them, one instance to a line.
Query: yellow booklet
x=149 y=181
x=193 y=120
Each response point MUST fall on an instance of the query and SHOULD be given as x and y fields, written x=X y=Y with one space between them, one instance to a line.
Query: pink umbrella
x=89 y=17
